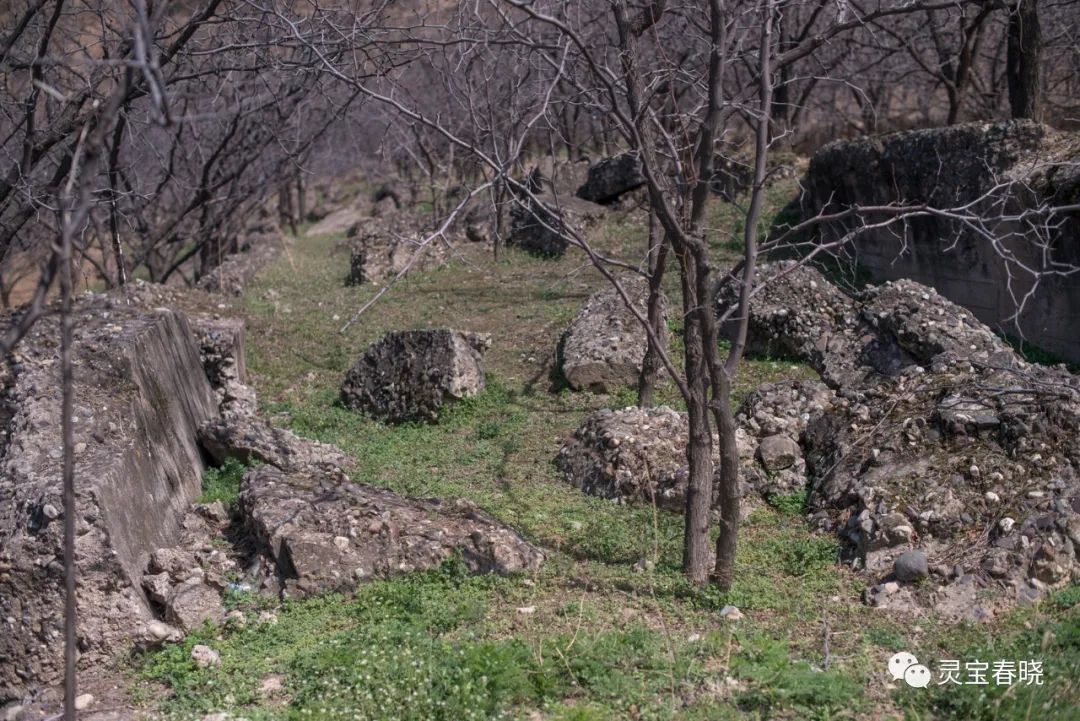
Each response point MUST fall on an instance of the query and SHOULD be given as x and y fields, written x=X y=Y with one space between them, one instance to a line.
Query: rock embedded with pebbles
x=204 y=656
x=605 y=345
x=412 y=375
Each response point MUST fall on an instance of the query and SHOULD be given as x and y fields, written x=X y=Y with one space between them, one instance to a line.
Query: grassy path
x=600 y=632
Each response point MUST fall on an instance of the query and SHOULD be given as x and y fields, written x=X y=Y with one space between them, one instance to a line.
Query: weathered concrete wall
x=948 y=167
x=141 y=393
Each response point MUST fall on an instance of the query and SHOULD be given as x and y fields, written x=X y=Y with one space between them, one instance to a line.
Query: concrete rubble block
x=633 y=455
x=411 y=375
x=221 y=348
x=379 y=254
x=605 y=345
x=539 y=225
x=140 y=395
x=193 y=603
x=326 y=533
x=610 y=178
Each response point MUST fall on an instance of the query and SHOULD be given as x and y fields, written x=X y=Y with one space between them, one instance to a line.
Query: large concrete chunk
x=605 y=345
x=221 y=348
x=634 y=455
x=1008 y=169
x=140 y=394
x=851 y=341
x=540 y=226
x=798 y=313
x=411 y=375
x=377 y=254
x=328 y=534
x=612 y=177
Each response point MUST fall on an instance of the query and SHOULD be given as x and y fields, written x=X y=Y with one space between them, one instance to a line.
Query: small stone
x=911 y=566
x=214 y=512
x=992 y=497
x=50 y=511
x=204 y=656
x=236 y=618
x=157 y=587
x=778 y=452
x=644 y=564
x=11 y=713
x=526 y=610
x=890 y=587
x=731 y=613
x=160 y=632
x=271 y=686
x=84 y=701
x=1006 y=524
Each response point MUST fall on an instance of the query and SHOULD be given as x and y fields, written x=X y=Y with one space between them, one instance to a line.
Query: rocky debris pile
x=539 y=226
x=851 y=341
x=258 y=246
x=377 y=254
x=185 y=582
x=771 y=422
x=975 y=464
x=940 y=439
x=325 y=533
x=411 y=375
x=985 y=167
x=605 y=345
x=610 y=178
x=141 y=395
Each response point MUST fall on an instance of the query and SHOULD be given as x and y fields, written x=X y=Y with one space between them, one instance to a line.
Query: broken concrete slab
x=250 y=440
x=326 y=533
x=141 y=392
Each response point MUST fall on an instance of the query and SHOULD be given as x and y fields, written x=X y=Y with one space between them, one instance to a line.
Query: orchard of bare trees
x=148 y=141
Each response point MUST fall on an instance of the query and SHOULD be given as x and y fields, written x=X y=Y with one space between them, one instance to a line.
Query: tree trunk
x=651 y=365
x=301 y=201
x=1022 y=61
x=728 y=495
x=699 y=448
